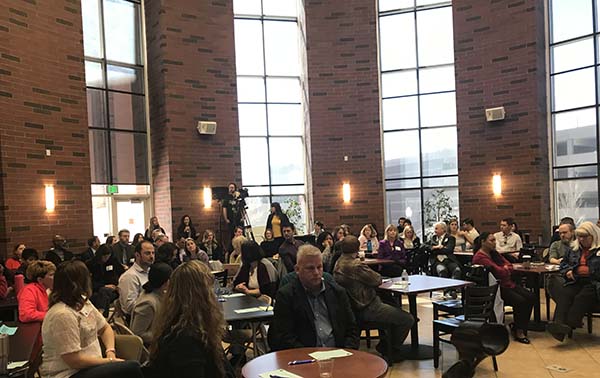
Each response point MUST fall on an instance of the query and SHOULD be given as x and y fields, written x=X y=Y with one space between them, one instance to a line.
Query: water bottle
x=404 y=279
x=369 y=246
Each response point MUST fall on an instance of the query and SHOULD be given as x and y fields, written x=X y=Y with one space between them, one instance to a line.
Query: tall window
x=418 y=100
x=268 y=42
x=114 y=70
x=575 y=61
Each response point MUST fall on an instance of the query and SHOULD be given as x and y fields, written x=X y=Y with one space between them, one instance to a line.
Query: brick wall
x=344 y=111
x=191 y=64
x=43 y=106
x=499 y=52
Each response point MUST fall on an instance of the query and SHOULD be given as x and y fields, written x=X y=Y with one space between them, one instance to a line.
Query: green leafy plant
x=437 y=208
x=293 y=210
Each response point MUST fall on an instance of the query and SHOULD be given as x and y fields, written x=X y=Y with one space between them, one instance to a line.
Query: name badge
x=132 y=260
x=109 y=268
x=397 y=248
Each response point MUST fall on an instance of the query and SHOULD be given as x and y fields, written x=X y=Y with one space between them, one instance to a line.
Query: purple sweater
x=395 y=252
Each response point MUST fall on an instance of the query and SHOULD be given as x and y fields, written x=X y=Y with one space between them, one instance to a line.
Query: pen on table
x=300 y=362
x=276 y=376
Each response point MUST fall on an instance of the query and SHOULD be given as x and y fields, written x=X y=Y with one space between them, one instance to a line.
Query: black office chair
x=478 y=274
x=221 y=277
x=478 y=306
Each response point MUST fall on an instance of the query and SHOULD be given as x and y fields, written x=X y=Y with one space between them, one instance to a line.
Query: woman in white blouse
x=71 y=330
x=368 y=234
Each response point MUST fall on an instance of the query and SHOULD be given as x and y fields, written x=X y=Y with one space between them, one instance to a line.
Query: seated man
x=131 y=282
x=559 y=248
x=289 y=248
x=581 y=271
x=506 y=240
x=311 y=312
x=361 y=283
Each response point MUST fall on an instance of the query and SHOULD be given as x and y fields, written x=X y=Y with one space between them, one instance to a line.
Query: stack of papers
x=8 y=330
x=233 y=295
x=336 y=353
x=279 y=373
x=253 y=309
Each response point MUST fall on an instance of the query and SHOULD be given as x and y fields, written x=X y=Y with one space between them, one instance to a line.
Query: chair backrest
x=478 y=274
x=479 y=302
x=129 y=347
x=122 y=330
x=231 y=269
x=221 y=277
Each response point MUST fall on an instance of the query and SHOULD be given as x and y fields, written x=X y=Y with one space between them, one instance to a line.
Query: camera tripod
x=245 y=220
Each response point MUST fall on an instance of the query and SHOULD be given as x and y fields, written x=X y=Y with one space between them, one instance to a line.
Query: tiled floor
x=580 y=354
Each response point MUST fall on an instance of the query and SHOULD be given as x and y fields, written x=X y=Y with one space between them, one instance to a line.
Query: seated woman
x=581 y=270
x=276 y=220
x=189 y=328
x=186 y=228
x=71 y=330
x=460 y=241
x=105 y=271
x=325 y=245
x=269 y=245
x=235 y=257
x=443 y=261
x=257 y=276
x=392 y=248
x=211 y=246
x=137 y=239
x=518 y=297
x=33 y=299
x=192 y=252
x=417 y=257
x=153 y=226
x=368 y=239
x=14 y=262
x=148 y=304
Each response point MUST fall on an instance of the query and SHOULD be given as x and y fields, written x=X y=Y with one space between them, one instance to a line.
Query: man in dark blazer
x=123 y=251
x=312 y=312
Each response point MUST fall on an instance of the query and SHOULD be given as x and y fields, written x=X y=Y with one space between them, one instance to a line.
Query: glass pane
x=287 y=160
x=285 y=8
x=92 y=35
x=434 y=28
x=98 y=189
x=576 y=172
x=397 y=46
x=134 y=189
x=125 y=79
x=96 y=108
x=250 y=89
x=285 y=119
x=255 y=161
x=250 y=7
x=402 y=184
x=101 y=216
x=122 y=31
x=440 y=205
x=386 y=5
x=253 y=119
x=129 y=158
x=575 y=137
x=281 y=48
x=401 y=150
x=283 y=90
x=405 y=203
x=570 y=19
x=400 y=113
x=573 y=55
x=436 y=79
x=440 y=181
x=438 y=109
x=438 y=148
x=574 y=89
x=258 y=212
x=258 y=191
x=93 y=74
x=248 y=47
x=577 y=199
x=295 y=208
x=399 y=83
x=292 y=189
x=99 y=156
x=126 y=112
x=421 y=3
x=131 y=216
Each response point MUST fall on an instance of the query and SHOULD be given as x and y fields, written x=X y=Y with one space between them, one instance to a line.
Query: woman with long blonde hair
x=189 y=327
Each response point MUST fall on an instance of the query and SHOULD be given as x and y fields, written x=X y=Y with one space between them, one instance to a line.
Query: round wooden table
x=360 y=364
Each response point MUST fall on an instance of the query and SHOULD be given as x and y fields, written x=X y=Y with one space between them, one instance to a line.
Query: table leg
x=414 y=351
x=537 y=325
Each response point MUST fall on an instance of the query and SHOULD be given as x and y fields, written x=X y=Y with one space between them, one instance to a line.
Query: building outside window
x=271 y=107
x=418 y=102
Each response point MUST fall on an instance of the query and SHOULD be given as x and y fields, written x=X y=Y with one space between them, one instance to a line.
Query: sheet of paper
x=8 y=330
x=336 y=353
x=280 y=373
x=558 y=368
x=253 y=309
x=233 y=295
x=16 y=364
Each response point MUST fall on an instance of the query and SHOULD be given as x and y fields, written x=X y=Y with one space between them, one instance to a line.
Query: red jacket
x=501 y=272
x=33 y=303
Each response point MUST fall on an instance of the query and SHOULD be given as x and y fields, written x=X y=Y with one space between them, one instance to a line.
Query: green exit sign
x=112 y=189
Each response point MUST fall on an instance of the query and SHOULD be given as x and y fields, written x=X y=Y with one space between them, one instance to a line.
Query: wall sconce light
x=497 y=185
x=49 y=197
x=207 y=194
x=346 y=192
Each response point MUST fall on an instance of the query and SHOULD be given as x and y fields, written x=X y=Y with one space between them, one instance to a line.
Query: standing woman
x=186 y=228
x=189 y=327
x=151 y=227
x=71 y=330
x=212 y=248
x=519 y=298
x=392 y=248
x=368 y=235
x=276 y=220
